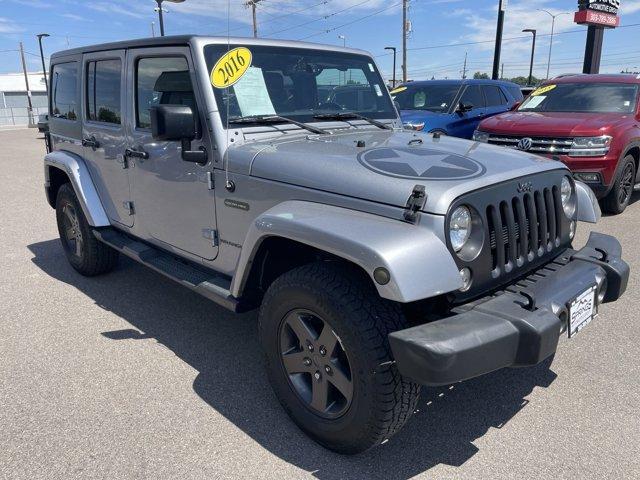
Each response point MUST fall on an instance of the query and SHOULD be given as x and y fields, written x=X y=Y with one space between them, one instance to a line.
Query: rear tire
x=618 y=198
x=367 y=400
x=85 y=253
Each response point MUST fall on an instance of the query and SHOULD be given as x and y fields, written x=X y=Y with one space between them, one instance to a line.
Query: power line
x=324 y=17
x=351 y=22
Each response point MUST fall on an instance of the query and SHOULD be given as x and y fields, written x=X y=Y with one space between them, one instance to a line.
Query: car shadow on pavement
x=224 y=349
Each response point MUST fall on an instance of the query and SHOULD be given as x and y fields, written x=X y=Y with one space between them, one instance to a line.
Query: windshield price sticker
x=231 y=67
x=543 y=90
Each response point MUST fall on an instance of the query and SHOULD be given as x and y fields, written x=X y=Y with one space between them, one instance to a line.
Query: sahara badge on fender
x=231 y=67
x=236 y=204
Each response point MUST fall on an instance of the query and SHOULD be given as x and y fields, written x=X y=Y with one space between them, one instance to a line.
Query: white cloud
x=73 y=16
x=8 y=26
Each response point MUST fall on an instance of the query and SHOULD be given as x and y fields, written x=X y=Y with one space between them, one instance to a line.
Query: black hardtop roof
x=137 y=43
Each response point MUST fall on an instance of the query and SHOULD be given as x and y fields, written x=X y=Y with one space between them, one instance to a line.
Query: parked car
x=453 y=107
x=588 y=122
x=380 y=259
x=43 y=122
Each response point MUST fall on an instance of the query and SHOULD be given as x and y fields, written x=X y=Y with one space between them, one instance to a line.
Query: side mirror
x=515 y=106
x=177 y=123
x=464 y=108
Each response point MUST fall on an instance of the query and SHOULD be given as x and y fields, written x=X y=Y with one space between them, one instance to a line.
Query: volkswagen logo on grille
x=525 y=144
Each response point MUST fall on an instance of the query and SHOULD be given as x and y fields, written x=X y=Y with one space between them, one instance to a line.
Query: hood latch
x=415 y=203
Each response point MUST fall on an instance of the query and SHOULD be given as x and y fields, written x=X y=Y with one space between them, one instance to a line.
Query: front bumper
x=518 y=327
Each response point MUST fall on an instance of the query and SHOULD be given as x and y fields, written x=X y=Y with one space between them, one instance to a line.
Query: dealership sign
x=603 y=13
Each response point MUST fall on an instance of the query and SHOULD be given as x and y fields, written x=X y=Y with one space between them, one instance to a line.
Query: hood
x=553 y=123
x=388 y=167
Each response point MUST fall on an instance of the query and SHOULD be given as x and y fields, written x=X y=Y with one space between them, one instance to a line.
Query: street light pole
x=553 y=24
x=498 y=48
x=394 y=64
x=160 y=17
x=44 y=68
x=533 y=52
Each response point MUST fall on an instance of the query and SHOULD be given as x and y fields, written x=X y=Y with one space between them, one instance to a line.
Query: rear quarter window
x=64 y=91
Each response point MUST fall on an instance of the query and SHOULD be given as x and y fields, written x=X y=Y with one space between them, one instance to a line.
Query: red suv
x=589 y=122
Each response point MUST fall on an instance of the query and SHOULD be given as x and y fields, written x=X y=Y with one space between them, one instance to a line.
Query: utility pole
x=153 y=29
x=502 y=71
x=404 y=40
x=498 y=50
x=464 y=68
x=252 y=4
x=26 y=81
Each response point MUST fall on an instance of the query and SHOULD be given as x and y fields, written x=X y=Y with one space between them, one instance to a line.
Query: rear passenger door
x=103 y=133
x=496 y=100
x=465 y=123
x=174 y=199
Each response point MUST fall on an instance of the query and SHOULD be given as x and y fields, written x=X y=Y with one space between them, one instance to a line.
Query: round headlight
x=566 y=194
x=460 y=227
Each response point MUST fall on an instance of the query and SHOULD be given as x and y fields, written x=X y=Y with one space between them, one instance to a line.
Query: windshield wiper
x=276 y=119
x=351 y=116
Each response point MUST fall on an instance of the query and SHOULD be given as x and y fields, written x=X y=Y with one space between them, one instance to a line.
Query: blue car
x=453 y=107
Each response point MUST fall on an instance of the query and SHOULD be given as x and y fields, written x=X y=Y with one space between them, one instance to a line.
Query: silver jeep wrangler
x=276 y=175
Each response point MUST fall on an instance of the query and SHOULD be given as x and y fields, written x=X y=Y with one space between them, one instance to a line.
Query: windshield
x=295 y=83
x=583 y=97
x=435 y=98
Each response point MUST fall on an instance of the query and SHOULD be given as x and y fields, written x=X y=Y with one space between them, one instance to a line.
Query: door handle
x=90 y=142
x=129 y=152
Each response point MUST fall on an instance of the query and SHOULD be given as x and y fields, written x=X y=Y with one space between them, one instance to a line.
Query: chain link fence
x=19 y=116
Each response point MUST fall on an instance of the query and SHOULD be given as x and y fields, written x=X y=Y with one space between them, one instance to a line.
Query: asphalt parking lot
x=131 y=376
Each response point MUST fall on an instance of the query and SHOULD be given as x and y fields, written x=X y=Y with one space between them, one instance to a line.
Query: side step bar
x=208 y=284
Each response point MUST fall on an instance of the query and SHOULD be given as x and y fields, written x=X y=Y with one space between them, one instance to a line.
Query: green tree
x=525 y=80
x=481 y=76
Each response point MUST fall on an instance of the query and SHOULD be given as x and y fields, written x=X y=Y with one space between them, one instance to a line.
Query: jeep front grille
x=523 y=229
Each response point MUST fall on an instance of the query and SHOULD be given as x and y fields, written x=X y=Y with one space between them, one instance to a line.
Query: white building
x=13 y=97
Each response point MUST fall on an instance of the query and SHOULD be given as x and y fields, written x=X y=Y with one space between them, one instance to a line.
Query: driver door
x=173 y=199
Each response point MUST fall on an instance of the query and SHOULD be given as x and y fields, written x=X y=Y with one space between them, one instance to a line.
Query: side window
x=516 y=92
x=494 y=95
x=162 y=81
x=103 y=91
x=473 y=96
x=64 y=91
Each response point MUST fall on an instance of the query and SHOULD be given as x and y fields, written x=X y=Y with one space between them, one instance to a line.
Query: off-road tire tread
x=374 y=319
x=98 y=257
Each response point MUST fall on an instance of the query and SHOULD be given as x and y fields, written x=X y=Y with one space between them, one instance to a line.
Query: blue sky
x=439 y=27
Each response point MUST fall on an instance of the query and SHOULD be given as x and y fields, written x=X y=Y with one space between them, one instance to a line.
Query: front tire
x=620 y=195
x=324 y=331
x=85 y=253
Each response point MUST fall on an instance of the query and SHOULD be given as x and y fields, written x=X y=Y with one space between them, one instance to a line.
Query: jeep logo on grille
x=525 y=144
x=524 y=187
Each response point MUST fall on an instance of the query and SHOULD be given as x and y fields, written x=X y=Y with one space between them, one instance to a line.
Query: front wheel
x=85 y=253
x=324 y=331
x=620 y=195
